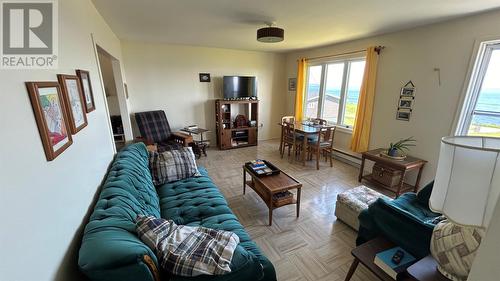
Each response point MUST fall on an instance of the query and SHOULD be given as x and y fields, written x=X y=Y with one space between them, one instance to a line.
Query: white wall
x=161 y=76
x=485 y=266
x=413 y=55
x=43 y=204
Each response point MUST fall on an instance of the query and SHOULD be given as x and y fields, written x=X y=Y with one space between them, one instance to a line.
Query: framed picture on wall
x=50 y=115
x=403 y=114
x=204 y=77
x=408 y=90
x=87 y=89
x=405 y=103
x=73 y=101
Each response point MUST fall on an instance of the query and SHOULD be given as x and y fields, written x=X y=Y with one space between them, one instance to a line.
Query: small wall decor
x=408 y=89
x=438 y=70
x=292 y=84
x=404 y=114
x=204 y=77
x=73 y=101
x=405 y=103
x=406 y=100
x=125 y=86
x=87 y=89
x=50 y=115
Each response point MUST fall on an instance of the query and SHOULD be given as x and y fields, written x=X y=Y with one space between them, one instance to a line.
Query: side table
x=365 y=254
x=409 y=163
x=199 y=146
x=425 y=270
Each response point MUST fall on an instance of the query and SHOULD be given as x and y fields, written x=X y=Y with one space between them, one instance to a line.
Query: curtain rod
x=377 y=49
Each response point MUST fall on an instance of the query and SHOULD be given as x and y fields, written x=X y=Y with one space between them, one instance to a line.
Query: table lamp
x=465 y=190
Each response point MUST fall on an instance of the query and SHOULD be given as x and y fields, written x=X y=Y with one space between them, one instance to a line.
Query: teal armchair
x=407 y=221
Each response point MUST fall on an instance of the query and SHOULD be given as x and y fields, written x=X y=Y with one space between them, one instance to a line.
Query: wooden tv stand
x=228 y=136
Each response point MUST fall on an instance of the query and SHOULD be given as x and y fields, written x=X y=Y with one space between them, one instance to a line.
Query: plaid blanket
x=187 y=250
x=172 y=165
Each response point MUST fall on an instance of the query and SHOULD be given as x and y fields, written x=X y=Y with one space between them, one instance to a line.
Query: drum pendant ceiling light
x=270 y=34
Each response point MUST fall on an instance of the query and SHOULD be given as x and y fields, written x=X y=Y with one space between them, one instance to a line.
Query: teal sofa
x=407 y=221
x=110 y=248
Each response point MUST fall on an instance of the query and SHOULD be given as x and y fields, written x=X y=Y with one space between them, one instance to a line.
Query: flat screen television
x=237 y=87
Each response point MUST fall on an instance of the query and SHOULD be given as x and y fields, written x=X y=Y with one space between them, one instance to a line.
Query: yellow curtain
x=301 y=89
x=362 y=123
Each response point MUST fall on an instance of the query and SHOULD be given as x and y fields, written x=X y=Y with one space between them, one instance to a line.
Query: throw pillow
x=172 y=165
x=188 y=250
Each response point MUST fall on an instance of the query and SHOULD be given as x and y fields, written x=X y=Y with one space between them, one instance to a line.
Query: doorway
x=116 y=97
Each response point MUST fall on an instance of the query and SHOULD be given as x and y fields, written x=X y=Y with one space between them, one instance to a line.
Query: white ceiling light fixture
x=270 y=34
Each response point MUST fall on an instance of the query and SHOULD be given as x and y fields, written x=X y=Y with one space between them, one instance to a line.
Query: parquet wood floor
x=315 y=246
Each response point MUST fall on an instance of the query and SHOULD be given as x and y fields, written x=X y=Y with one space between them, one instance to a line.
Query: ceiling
x=307 y=23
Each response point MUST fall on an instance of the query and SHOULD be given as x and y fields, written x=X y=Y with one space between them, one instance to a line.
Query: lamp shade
x=270 y=34
x=467 y=181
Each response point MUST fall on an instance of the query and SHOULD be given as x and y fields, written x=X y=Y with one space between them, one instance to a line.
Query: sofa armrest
x=407 y=216
x=182 y=138
x=144 y=140
x=368 y=230
x=112 y=253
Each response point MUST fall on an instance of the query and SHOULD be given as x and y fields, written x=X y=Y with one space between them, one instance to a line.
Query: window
x=480 y=115
x=332 y=90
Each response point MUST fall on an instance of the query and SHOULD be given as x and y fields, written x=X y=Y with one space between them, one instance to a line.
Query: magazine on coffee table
x=262 y=168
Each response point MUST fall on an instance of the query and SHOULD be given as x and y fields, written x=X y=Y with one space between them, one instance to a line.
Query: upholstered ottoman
x=351 y=202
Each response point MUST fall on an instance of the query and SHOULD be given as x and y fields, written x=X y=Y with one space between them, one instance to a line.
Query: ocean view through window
x=481 y=116
x=332 y=90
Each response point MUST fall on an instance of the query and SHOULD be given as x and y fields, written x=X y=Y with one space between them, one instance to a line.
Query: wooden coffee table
x=267 y=186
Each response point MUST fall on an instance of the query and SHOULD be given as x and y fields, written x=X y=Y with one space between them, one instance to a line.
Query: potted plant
x=400 y=147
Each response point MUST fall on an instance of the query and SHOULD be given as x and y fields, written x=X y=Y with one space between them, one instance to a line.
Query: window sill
x=347 y=130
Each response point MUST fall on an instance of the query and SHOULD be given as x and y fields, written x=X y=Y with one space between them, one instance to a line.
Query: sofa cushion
x=408 y=205
x=172 y=165
x=198 y=202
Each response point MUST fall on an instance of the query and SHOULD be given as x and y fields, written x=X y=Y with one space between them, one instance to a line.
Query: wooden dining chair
x=327 y=149
x=287 y=119
x=322 y=145
x=316 y=121
x=319 y=121
x=289 y=139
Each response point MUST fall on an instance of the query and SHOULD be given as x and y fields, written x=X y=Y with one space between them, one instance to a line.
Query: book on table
x=385 y=262
x=260 y=167
x=191 y=127
x=282 y=195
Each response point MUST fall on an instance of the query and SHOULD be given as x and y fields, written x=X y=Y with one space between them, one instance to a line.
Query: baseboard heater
x=348 y=157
